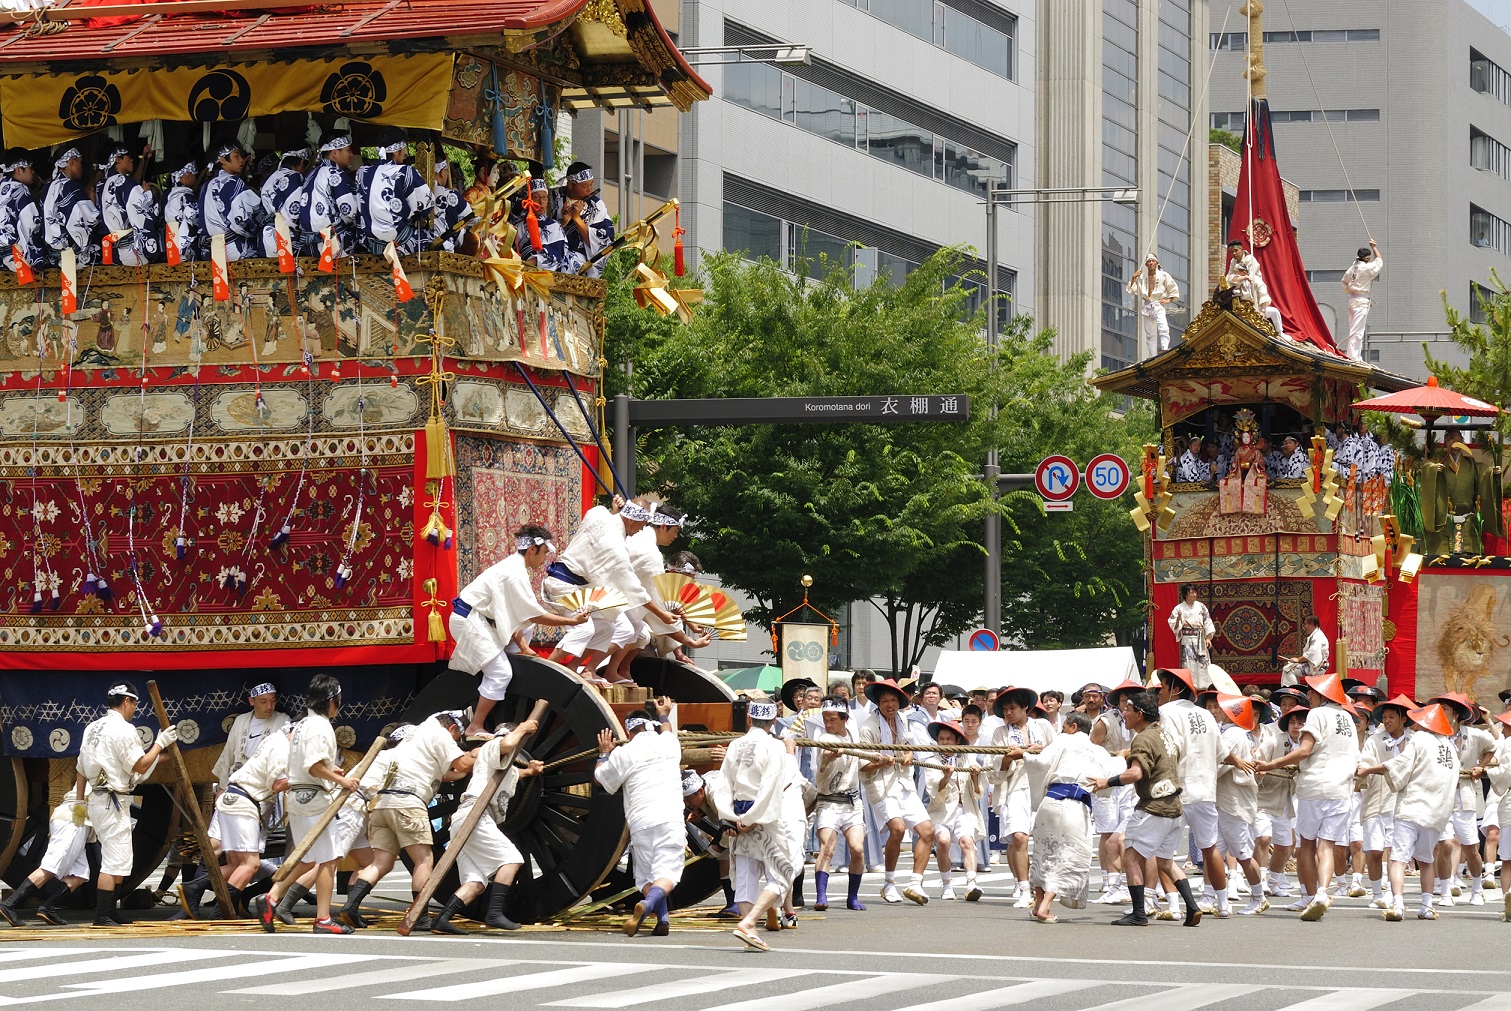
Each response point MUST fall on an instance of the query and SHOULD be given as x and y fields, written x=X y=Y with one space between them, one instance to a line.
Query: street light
x=1011 y=197
x=781 y=55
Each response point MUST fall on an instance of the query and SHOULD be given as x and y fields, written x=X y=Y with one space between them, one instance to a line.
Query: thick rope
x=803 y=742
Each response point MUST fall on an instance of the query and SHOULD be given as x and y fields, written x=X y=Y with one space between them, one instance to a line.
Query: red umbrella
x=1430 y=401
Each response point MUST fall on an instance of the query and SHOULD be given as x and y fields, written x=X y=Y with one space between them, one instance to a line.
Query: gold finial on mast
x=1255 y=72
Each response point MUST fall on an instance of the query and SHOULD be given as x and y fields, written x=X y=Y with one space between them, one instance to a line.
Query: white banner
x=805 y=653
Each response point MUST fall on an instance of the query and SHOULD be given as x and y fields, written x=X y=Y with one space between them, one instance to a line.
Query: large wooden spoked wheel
x=570 y=833
x=683 y=682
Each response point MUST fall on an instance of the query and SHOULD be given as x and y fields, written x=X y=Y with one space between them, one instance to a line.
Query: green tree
x=890 y=514
x=1487 y=345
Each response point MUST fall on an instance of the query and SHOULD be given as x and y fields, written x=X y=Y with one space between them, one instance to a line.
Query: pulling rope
x=803 y=742
x=1327 y=123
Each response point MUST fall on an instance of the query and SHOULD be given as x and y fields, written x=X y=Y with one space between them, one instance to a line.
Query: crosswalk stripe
x=1008 y=995
x=517 y=984
x=1350 y=1000
x=823 y=996
x=1496 y=1002
x=412 y=970
x=22 y=954
x=1182 y=998
x=682 y=988
x=160 y=980
x=139 y=959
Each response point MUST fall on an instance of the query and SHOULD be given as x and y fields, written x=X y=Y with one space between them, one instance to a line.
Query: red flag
x=400 y=279
x=1261 y=222
x=107 y=249
x=68 y=273
x=220 y=270
x=172 y=251
x=327 y=264
x=23 y=269
x=281 y=233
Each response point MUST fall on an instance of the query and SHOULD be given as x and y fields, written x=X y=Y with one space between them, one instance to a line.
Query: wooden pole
x=190 y=803
x=297 y=853
x=460 y=836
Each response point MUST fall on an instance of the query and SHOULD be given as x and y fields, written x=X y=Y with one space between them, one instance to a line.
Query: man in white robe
x=492 y=617
x=1358 y=279
x=1153 y=289
x=892 y=793
x=1010 y=786
x=1313 y=658
x=1060 y=778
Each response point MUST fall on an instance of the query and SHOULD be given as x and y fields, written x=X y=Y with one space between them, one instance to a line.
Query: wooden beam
x=164 y=9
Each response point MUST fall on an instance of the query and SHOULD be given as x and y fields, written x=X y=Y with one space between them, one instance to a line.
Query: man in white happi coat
x=1425 y=777
x=1238 y=791
x=1313 y=658
x=1275 y=828
x=1010 y=787
x=636 y=628
x=1111 y=809
x=111 y=763
x=839 y=811
x=1460 y=842
x=493 y=616
x=242 y=810
x=1377 y=802
x=65 y=861
x=647 y=769
x=1060 y=779
x=1500 y=795
x=766 y=808
x=891 y=792
x=1358 y=279
x=1326 y=757
x=1153 y=289
x=1251 y=287
x=488 y=855
x=598 y=555
x=955 y=807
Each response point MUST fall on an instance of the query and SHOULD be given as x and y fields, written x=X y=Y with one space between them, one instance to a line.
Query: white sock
x=1222 y=898
x=1427 y=898
x=1477 y=886
x=970 y=879
x=891 y=877
x=1354 y=880
x=916 y=880
x=944 y=879
x=1442 y=888
x=1374 y=888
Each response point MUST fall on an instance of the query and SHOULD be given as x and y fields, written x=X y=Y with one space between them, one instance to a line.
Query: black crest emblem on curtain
x=219 y=96
x=89 y=103
x=355 y=90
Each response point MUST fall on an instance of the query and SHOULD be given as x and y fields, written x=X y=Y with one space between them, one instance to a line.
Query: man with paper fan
x=493 y=616
x=636 y=629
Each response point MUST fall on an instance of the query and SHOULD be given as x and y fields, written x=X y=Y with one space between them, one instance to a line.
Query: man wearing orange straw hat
x=1425 y=777
x=1011 y=790
x=1500 y=779
x=1326 y=758
x=1377 y=804
x=1238 y=791
x=894 y=800
x=1461 y=840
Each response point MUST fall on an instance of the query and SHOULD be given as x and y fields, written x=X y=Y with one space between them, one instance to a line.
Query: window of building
x=1338 y=196
x=1487 y=77
x=827 y=113
x=1324 y=275
x=1488 y=154
x=1239 y=41
x=1233 y=41
x=1234 y=121
x=1230 y=121
x=1477 y=312
x=974 y=30
x=1488 y=231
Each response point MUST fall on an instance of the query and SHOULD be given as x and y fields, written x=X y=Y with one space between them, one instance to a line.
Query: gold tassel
x=438 y=460
x=437 y=629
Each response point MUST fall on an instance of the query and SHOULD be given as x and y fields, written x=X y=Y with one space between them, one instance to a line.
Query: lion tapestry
x=1462 y=640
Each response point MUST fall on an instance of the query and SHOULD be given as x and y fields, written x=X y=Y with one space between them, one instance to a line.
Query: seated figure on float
x=1243 y=488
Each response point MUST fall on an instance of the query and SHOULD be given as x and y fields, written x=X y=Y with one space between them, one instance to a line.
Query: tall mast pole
x=1255 y=73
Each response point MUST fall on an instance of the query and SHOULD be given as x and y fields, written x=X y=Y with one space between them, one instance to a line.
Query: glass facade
x=818 y=110
x=1174 y=118
x=987 y=46
x=1119 y=168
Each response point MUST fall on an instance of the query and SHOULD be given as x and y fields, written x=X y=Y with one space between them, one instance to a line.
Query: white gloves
x=166 y=736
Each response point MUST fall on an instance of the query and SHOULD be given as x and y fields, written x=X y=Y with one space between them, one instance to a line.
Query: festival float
x=218 y=478
x=1401 y=557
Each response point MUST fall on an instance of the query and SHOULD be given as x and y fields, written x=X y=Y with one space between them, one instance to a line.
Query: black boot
x=234 y=913
x=104 y=907
x=51 y=912
x=1193 y=914
x=496 y=917
x=422 y=922
x=193 y=894
x=351 y=913
x=11 y=907
x=797 y=890
x=291 y=898
x=443 y=924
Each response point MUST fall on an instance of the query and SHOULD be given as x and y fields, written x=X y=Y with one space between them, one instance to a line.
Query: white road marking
x=1350 y=1000
x=517 y=984
x=1008 y=996
x=140 y=959
x=852 y=990
x=1181 y=998
x=375 y=977
x=683 y=988
x=163 y=980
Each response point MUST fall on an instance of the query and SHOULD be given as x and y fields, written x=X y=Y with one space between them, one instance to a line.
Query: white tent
x=1040 y=669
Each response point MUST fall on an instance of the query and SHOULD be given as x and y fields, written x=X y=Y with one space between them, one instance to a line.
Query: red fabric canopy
x=1431 y=400
x=1262 y=222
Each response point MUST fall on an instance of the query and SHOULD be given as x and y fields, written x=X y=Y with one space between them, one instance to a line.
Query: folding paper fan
x=593 y=598
x=681 y=593
x=734 y=633
x=726 y=614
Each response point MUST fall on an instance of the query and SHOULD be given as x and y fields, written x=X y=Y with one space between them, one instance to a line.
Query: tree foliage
x=1487 y=345
x=891 y=514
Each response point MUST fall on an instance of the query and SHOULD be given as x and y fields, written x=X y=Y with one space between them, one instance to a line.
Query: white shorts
x=746 y=874
x=486 y=851
x=339 y=837
x=1110 y=809
x=1503 y=848
x=1016 y=815
x=592 y=636
x=1201 y=819
x=902 y=802
x=1464 y=828
x=497 y=673
x=1323 y=820
x=1275 y=827
x=1377 y=832
x=240 y=833
x=110 y=814
x=839 y=817
x=1149 y=835
x=657 y=851
x=65 y=857
x=1237 y=835
x=626 y=630
x=1408 y=840
x=960 y=825
x=350 y=828
x=1356 y=823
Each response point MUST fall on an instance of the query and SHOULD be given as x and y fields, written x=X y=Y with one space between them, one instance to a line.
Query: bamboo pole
x=297 y=853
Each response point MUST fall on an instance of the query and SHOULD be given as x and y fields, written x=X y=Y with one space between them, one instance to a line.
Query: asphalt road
x=943 y=957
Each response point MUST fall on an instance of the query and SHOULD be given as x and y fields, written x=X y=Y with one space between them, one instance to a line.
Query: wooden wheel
x=683 y=682
x=571 y=834
x=15 y=818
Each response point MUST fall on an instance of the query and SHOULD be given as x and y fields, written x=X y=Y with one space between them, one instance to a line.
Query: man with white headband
x=70 y=219
x=766 y=807
x=452 y=211
x=493 y=616
x=598 y=555
x=330 y=200
x=703 y=797
x=283 y=193
x=839 y=811
x=181 y=211
x=392 y=200
x=636 y=629
x=646 y=768
x=111 y=764
x=555 y=253
x=129 y=205
x=582 y=213
x=20 y=216
x=229 y=207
